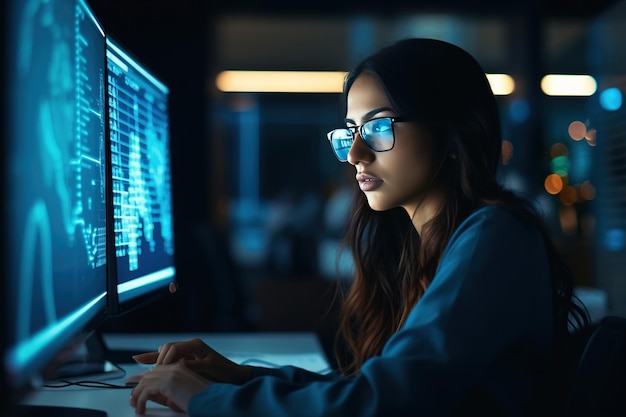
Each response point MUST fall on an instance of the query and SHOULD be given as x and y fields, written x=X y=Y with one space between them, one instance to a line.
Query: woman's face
x=402 y=176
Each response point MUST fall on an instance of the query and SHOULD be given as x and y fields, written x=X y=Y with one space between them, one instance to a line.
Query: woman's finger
x=151 y=388
x=174 y=352
x=188 y=350
x=169 y=385
x=140 y=398
x=147 y=358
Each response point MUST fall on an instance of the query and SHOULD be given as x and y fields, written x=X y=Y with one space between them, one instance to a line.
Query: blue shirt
x=479 y=338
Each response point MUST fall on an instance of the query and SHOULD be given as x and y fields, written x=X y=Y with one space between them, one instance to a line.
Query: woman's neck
x=426 y=208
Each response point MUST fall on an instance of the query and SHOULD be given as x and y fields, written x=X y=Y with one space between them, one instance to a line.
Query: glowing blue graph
x=142 y=195
x=56 y=148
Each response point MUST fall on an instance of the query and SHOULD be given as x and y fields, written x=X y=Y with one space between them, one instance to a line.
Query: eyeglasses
x=376 y=133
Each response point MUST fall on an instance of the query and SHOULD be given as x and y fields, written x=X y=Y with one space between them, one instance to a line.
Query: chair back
x=599 y=386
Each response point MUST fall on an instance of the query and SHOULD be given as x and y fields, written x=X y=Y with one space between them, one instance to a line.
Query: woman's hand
x=169 y=385
x=199 y=358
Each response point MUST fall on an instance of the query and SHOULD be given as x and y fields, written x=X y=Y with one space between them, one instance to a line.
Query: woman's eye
x=379 y=127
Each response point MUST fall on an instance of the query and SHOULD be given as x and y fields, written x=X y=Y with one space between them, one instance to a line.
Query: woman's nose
x=359 y=152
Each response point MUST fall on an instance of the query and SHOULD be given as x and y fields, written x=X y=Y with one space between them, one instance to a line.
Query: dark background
x=176 y=39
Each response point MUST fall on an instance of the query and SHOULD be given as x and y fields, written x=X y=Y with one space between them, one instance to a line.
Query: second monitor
x=138 y=127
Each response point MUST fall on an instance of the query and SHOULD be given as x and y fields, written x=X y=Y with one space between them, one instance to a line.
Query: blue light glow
x=28 y=349
x=615 y=239
x=611 y=99
x=519 y=110
x=145 y=284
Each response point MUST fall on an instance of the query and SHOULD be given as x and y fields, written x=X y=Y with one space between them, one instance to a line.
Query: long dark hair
x=444 y=88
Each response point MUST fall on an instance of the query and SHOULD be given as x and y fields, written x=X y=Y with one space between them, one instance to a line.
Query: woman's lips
x=367 y=182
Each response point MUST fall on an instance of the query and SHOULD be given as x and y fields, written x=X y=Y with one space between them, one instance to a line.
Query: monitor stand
x=97 y=342
x=89 y=361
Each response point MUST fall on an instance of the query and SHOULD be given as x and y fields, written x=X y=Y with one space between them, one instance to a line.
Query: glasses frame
x=359 y=129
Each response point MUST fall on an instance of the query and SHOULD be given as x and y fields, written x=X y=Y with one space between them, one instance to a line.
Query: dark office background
x=251 y=251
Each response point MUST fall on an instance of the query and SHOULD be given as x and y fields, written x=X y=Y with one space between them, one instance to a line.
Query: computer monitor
x=138 y=128
x=54 y=187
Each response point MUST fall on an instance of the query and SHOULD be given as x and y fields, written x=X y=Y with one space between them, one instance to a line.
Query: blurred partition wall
x=607 y=36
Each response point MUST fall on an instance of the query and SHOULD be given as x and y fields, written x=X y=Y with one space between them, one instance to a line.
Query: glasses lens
x=341 y=141
x=378 y=134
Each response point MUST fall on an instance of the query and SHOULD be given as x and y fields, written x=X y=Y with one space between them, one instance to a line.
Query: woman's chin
x=377 y=205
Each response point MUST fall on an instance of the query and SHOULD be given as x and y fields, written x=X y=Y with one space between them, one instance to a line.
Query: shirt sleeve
x=293 y=374
x=491 y=290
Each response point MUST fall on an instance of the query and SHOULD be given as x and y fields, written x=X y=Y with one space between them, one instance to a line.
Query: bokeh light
x=615 y=239
x=519 y=110
x=591 y=137
x=577 y=130
x=611 y=99
x=568 y=85
x=587 y=190
x=553 y=184
x=558 y=149
x=560 y=166
x=568 y=195
x=280 y=81
x=501 y=84
x=568 y=220
x=507 y=152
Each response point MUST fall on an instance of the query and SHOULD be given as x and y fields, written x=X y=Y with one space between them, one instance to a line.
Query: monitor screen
x=54 y=174
x=138 y=128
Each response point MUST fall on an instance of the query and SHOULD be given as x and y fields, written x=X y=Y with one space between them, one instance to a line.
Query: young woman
x=460 y=304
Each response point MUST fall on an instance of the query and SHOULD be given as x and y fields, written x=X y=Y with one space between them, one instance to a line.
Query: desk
x=265 y=349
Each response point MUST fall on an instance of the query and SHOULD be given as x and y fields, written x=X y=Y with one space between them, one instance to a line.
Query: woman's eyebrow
x=370 y=114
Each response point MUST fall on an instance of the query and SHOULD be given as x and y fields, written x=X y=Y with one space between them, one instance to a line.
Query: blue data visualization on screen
x=140 y=164
x=56 y=187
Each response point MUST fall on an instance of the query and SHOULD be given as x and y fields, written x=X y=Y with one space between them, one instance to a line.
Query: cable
x=62 y=383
